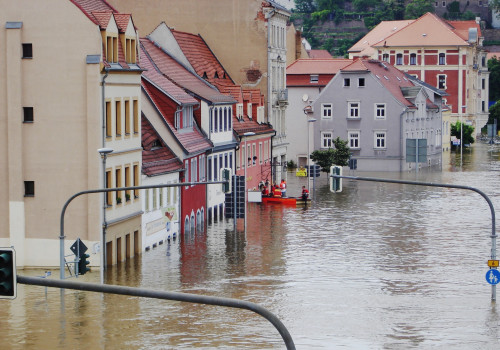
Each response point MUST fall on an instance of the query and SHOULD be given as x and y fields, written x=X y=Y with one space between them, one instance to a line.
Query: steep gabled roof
x=317 y=65
x=390 y=77
x=192 y=141
x=319 y=54
x=201 y=58
x=428 y=30
x=89 y=6
x=161 y=82
x=178 y=74
x=384 y=29
x=157 y=158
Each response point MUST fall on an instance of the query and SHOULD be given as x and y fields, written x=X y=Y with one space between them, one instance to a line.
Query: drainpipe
x=401 y=139
x=103 y=84
x=272 y=167
x=104 y=222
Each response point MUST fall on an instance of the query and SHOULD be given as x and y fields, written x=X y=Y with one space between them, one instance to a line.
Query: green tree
x=494 y=88
x=305 y=6
x=417 y=8
x=494 y=115
x=338 y=155
x=467 y=131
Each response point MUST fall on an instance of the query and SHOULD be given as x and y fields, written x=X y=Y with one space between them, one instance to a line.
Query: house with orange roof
x=71 y=87
x=445 y=54
x=253 y=39
x=171 y=109
x=248 y=108
x=160 y=166
x=382 y=113
x=305 y=79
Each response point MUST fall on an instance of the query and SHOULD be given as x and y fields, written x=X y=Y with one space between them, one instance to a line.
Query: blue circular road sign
x=493 y=276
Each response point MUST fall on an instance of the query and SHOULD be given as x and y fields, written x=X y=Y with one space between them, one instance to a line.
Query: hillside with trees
x=335 y=25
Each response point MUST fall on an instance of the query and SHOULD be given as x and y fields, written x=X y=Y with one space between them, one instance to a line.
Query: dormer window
x=184 y=118
x=249 y=110
x=216 y=75
x=239 y=111
x=156 y=144
x=130 y=51
x=111 y=49
x=314 y=78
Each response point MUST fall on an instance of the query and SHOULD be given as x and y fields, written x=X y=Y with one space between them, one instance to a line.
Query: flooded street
x=377 y=266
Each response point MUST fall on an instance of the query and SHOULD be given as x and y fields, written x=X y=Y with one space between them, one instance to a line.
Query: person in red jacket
x=305 y=193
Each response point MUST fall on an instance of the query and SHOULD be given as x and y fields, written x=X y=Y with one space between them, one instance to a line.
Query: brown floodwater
x=377 y=266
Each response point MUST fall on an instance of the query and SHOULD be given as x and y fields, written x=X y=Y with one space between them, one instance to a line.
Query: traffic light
x=8 y=279
x=225 y=175
x=335 y=183
x=82 y=264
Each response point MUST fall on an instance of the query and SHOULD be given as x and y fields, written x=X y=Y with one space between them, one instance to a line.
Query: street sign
x=493 y=263
x=493 y=276
x=78 y=248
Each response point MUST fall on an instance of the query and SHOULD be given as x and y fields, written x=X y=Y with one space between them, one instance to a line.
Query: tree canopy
x=494 y=68
x=338 y=155
x=417 y=8
x=467 y=131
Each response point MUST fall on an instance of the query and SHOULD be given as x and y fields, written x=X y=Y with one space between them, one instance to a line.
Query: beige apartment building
x=70 y=85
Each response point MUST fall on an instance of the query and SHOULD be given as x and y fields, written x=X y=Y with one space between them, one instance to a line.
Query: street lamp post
x=247 y=134
x=309 y=122
x=104 y=153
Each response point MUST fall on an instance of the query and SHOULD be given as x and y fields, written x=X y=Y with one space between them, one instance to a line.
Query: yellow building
x=70 y=86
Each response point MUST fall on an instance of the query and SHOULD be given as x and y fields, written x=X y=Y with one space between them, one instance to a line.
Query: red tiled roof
x=245 y=124
x=193 y=140
x=319 y=54
x=199 y=55
x=156 y=160
x=101 y=18
x=122 y=21
x=181 y=76
x=89 y=6
x=161 y=82
x=428 y=30
x=317 y=65
x=389 y=76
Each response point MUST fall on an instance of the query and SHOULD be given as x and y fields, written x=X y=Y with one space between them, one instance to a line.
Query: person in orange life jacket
x=276 y=191
x=305 y=193
x=283 y=188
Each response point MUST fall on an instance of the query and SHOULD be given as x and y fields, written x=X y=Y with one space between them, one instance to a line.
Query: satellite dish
x=305 y=98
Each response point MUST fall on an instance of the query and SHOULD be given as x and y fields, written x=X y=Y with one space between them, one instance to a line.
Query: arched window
x=193 y=224
x=186 y=225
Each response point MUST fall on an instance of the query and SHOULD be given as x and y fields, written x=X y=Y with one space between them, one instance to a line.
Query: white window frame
x=380 y=139
x=326 y=110
x=399 y=59
x=380 y=111
x=326 y=138
x=353 y=135
x=314 y=78
x=353 y=107
x=361 y=80
x=441 y=54
x=249 y=110
x=239 y=110
x=438 y=81
x=413 y=59
x=347 y=82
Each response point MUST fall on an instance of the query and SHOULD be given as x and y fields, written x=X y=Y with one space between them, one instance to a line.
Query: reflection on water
x=377 y=266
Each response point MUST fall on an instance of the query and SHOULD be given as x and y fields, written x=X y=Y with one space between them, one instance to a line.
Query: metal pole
x=147 y=293
x=430 y=184
x=104 y=223
x=105 y=190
